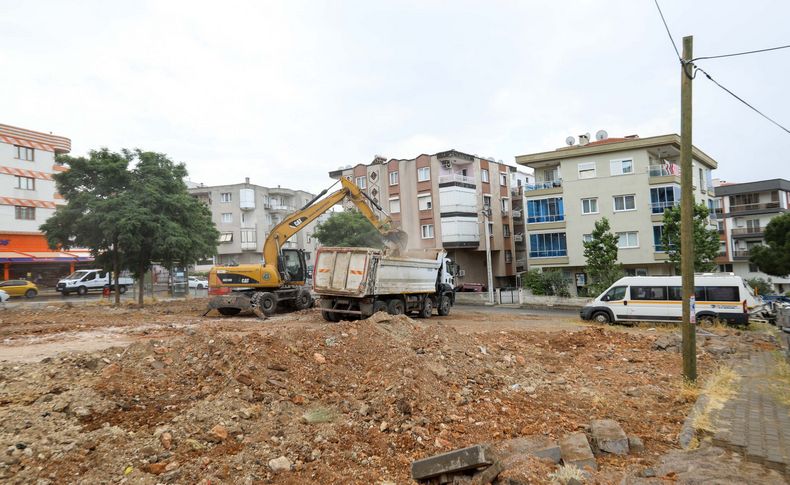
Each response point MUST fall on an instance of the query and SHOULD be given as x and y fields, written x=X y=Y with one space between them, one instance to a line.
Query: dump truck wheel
x=379 y=306
x=330 y=317
x=444 y=306
x=395 y=307
x=228 y=311
x=427 y=309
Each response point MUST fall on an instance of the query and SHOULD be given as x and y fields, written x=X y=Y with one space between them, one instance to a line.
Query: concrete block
x=609 y=437
x=535 y=445
x=453 y=461
x=576 y=451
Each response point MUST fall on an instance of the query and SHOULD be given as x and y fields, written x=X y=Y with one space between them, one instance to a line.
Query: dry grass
x=761 y=327
x=566 y=472
x=319 y=415
x=719 y=388
x=781 y=379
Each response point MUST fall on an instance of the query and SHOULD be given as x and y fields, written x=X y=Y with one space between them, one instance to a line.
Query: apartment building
x=245 y=214
x=439 y=200
x=630 y=181
x=27 y=199
x=746 y=209
x=520 y=181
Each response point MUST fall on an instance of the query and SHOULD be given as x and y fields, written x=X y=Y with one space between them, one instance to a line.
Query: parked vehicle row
x=19 y=288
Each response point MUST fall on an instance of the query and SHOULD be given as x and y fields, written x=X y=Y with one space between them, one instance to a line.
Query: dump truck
x=358 y=282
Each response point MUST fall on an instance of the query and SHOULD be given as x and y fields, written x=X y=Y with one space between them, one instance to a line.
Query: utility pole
x=486 y=215
x=687 y=216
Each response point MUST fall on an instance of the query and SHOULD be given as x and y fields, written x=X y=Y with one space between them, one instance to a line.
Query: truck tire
x=266 y=302
x=228 y=311
x=396 y=307
x=82 y=290
x=444 y=306
x=379 y=306
x=427 y=309
x=303 y=300
x=330 y=317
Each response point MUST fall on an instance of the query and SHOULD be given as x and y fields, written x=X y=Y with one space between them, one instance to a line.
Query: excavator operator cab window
x=294 y=266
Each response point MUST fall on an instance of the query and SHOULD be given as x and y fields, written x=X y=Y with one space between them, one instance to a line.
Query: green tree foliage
x=348 y=229
x=706 y=240
x=761 y=286
x=549 y=283
x=130 y=217
x=773 y=258
x=601 y=255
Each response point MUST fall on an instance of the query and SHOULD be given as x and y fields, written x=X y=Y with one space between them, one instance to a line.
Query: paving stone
x=535 y=445
x=453 y=461
x=609 y=437
x=576 y=451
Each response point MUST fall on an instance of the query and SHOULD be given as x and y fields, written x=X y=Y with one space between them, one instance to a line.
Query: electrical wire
x=674 y=46
x=742 y=53
x=742 y=100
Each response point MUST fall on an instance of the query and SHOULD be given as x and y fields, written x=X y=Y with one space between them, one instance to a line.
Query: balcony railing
x=249 y=246
x=754 y=207
x=660 y=207
x=748 y=231
x=546 y=218
x=665 y=170
x=456 y=177
x=548 y=253
x=740 y=254
x=281 y=207
x=551 y=184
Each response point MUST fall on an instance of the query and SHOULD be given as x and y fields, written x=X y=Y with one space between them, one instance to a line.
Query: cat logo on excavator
x=297 y=222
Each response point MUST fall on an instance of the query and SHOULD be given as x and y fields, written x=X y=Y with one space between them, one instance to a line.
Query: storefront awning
x=45 y=257
x=82 y=255
x=13 y=257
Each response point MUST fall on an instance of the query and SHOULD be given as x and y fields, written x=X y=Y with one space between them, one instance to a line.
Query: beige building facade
x=438 y=201
x=630 y=181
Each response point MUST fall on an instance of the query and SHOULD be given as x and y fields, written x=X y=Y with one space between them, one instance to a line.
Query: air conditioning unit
x=461 y=272
x=447 y=164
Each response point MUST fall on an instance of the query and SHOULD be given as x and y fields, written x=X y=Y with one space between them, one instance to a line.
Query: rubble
x=576 y=451
x=609 y=437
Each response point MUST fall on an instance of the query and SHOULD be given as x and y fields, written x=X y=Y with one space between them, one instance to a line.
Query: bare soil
x=163 y=394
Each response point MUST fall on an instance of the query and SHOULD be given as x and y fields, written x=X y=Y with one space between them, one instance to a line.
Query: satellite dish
x=601 y=135
x=570 y=141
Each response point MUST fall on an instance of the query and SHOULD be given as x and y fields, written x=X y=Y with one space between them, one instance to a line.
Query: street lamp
x=486 y=215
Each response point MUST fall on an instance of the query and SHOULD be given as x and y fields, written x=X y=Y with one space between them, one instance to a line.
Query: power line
x=742 y=53
x=742 y=100
x=674 y=46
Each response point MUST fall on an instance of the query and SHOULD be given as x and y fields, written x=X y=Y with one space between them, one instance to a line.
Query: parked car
x=85 y=280
x=19 y=288
x=198 y=282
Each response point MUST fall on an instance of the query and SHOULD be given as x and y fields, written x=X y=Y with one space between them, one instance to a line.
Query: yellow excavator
x=280 y=280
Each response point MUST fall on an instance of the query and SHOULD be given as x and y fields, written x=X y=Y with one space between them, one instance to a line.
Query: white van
x=721 y=296
x=85 y=280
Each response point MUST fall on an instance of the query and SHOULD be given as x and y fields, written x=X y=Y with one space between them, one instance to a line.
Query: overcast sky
x=283 y=92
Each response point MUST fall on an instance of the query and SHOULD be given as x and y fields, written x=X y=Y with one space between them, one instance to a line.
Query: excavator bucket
x=396 y=240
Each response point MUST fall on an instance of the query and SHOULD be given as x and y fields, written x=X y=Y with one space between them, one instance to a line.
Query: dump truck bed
x=361 y=272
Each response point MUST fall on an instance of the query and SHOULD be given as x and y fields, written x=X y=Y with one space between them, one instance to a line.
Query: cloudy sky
x=283 y=92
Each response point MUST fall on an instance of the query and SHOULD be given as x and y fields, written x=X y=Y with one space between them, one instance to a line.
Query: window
x=484 y=175
x=627 y=240
x=395 y=205
x=548 y=245
x=587 y=170
x=662 y=198
x=424 y=202
x=423 y=174
x=701 y=180
x=248 y=236
x=545 y=210
x=225 y=197
x=490 y=229
x=652 y=293
x=508 y=256
x=722 y=293
x=362 y=182
x=753 y=268
x=503 y=179
x=25 y=153
x=309 y=238
x=25 y=213
x=487 y=201
x=25 y=183
x=505 y=230
x=504 y=204
x=615 y=294
x=676 y=293
x=551 y=174
x=227 y=217
x=658 y=241
x=394 y=178
x=427 y=231
x=621 y=167
x=226 y=237
x=586 y=238
x=624 y=203
x=590 y=206
x=725 y=268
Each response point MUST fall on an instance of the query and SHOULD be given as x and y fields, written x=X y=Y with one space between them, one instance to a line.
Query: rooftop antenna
x=570 y=141
x=601 y=135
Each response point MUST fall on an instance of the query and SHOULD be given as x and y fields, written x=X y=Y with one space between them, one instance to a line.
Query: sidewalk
x=755 y=422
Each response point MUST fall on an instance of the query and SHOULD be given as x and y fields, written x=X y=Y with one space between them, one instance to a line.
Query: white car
x=197 y=282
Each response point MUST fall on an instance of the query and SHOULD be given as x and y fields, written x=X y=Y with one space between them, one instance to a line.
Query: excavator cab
x=293 y=268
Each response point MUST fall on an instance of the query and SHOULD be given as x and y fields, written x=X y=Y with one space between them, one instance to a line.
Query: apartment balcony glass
x=754 y=207
x=545 y=210
x=549 y=245
x=663 y=198
x=663 y=170
x=549 y=184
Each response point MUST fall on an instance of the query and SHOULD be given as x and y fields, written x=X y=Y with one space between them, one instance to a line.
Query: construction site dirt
x=96 y=394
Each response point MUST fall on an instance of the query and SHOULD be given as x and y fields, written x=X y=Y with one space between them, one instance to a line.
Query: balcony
x=550 y=184
x=545 y=218
x=660 y=207
x=282 y=208
x=664 y=170
x=517 y=191
x=548 y=253
x=518 y=237
x=249 y=246
x=748 y=232
x=516 y=214
x=740 y=254
x=457 y=178
x=754 y=207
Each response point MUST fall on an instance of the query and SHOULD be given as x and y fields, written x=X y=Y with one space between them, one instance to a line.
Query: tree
x=706 y=240
x=92 y=188
x=549 y=282
x=601 y=255
x=761 y=286
x=348 y=229
x=773 y=258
